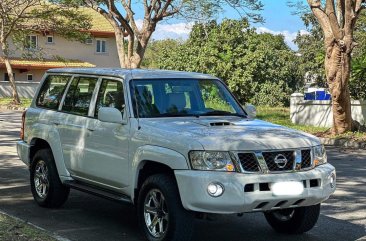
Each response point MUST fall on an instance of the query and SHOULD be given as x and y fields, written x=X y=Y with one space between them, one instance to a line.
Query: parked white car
x=177 y=145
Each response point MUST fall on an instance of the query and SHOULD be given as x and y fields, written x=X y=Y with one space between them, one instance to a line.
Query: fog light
x=332 y=180
x=215 y=189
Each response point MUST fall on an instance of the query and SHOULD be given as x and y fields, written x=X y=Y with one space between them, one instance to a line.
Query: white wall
x=22 y=76
x=319 y=112
x=74 y=50
x=25 y=89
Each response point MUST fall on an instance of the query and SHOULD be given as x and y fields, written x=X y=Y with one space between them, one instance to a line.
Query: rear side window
x=51 y=92
x=79 y=95
x=110 y=95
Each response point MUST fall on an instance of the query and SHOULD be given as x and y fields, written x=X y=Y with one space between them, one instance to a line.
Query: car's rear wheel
x=161 y=214
x=47 y=189
x=293 y=220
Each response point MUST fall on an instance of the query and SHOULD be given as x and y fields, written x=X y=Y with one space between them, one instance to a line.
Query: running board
x=114 y=196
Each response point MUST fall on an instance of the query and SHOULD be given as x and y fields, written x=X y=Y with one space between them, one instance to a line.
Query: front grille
x=279 y=161
x=248 y=162
x=305 y=159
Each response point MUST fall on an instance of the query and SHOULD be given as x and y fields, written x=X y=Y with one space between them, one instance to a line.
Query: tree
x=131 y=51
x=20 y=17
x=258 y=68
x=337 y=20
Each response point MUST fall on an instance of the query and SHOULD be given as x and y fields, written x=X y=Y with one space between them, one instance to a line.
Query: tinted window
x=51 y=92
x=110 y=95
x=79 y=95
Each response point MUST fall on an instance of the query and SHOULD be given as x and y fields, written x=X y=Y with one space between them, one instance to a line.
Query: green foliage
x=253 y=65
x=358 y=79
x=311 y=49
x=23 y=17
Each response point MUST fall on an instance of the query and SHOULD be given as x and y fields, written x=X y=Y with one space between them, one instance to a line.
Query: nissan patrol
x=177 y=145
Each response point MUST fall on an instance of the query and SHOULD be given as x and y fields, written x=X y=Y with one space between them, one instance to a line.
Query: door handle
x=56 y=123
x=90 y=129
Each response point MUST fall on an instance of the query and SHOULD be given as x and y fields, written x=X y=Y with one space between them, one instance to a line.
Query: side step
x=98 y=191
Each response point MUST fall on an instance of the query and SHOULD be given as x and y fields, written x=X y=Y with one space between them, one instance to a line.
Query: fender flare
x=162 y=155
x=52 y=137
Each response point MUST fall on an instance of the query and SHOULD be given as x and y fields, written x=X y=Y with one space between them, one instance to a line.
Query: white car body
x=111 y=155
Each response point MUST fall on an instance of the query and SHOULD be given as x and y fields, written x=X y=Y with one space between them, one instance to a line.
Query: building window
x=6 y=76
x=31 y=42
x=50 y=39
x=89 y=41
x=101 y=46
x=30 y=77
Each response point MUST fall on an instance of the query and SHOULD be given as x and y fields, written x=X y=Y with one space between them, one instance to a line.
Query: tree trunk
x=9 y=70
x=337 y=68
x=120 y=47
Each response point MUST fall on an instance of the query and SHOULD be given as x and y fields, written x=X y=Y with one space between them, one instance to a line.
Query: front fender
x=168 y=157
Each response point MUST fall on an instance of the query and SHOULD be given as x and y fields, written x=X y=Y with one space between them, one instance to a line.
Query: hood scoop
x=210 y=123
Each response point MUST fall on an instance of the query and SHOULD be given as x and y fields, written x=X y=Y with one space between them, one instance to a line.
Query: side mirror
x=110 y=114
x=251 y=110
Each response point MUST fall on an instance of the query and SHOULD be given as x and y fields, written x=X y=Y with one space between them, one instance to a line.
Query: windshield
x=182 y=97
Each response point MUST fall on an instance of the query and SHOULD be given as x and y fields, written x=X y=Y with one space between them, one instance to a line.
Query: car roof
x=134 y=73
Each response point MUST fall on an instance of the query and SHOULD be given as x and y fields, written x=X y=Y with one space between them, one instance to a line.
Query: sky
x=279 y=19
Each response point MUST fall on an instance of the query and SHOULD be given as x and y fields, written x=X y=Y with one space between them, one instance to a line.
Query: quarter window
x=51 y=92
x=110 y=95
x=101 y=46
x=79 y=95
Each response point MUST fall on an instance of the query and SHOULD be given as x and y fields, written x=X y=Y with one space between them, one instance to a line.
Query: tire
x=47 y=189
x=174 y=223
x=293 y=220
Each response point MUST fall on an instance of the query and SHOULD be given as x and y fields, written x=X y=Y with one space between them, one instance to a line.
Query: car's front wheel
x=47 y=189
x=293 y=220
x=161 y=214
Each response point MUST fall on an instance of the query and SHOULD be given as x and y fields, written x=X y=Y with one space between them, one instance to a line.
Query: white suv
x=177 y=145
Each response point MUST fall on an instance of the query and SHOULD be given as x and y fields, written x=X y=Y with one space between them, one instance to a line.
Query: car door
x=72 y=121
x=105 y=160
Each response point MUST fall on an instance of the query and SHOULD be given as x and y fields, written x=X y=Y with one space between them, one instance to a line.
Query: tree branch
x=350 y=17
x=330 y=10
x=322 y=18
x=130 y=16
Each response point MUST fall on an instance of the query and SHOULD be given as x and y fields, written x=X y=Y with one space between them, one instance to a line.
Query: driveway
x=88 y=218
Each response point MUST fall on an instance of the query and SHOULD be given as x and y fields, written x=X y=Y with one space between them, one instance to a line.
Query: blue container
x=320 y=95
x=309 y=96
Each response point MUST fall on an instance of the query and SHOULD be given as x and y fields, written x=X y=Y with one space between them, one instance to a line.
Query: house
x=57 y=52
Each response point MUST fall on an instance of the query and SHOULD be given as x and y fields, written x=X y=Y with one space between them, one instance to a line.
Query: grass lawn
x=25 y=102
x=281 y=116
x=15 y=230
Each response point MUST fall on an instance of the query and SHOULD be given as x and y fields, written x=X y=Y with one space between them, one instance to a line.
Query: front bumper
x=23 y=149
x=193 y=190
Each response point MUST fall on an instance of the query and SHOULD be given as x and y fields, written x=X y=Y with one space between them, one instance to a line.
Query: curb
x=343 y=143
x=53 y=235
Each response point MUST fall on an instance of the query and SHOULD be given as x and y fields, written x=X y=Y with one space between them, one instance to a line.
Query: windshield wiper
x=221 y=113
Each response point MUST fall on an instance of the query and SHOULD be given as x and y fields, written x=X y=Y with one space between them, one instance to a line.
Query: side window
x=79 y=95
x=51 y=92
x=110 y=95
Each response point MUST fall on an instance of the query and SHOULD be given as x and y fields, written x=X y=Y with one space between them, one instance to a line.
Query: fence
x=25 y=89
x=319 y=112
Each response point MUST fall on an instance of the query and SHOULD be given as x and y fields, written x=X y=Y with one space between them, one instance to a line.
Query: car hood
x=229 y=134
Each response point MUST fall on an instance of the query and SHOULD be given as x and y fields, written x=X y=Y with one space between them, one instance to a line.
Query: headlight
x=320 y=155
x=211 y=160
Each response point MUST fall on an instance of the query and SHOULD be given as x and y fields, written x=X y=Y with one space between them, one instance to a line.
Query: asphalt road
x=88 y=218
